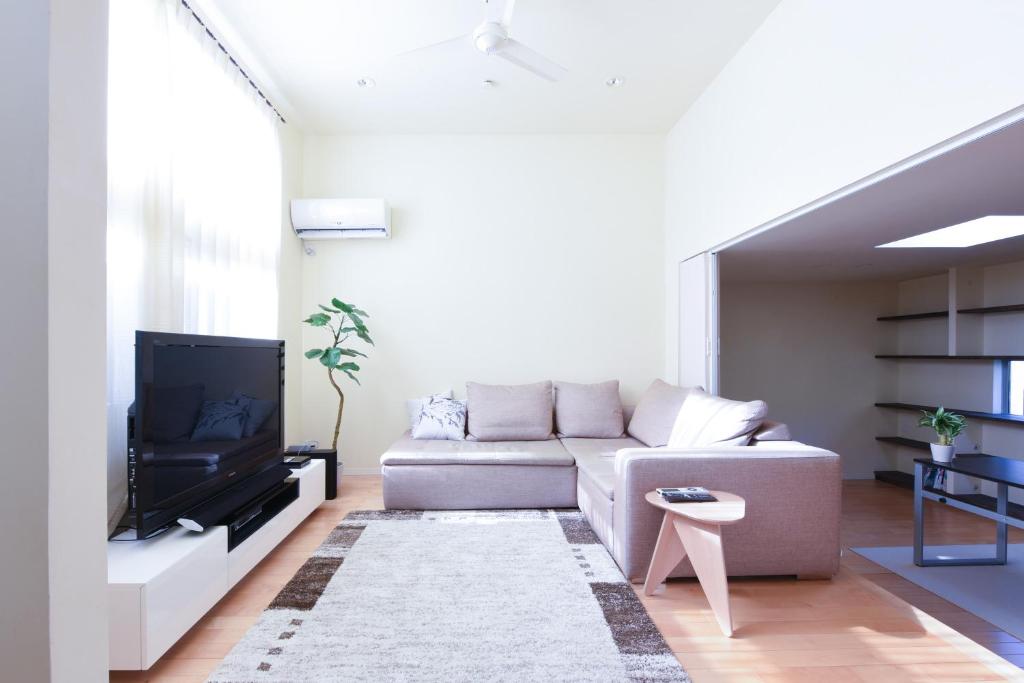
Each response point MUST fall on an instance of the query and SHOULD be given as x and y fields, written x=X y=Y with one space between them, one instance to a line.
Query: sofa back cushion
x=772 y=431
x=707 y=420
x=522 y=412
x=655 y=414
x=588 y=410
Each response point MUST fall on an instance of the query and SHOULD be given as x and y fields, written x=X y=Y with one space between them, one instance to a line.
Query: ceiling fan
x=492 y=38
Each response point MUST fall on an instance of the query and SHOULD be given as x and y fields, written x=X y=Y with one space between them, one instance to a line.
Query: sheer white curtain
x=194 y=217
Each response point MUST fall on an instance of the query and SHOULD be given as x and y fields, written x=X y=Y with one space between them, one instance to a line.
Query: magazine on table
x=687 y=494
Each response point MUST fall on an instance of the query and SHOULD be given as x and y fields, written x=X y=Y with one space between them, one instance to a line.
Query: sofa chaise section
x=793 y=501
x=428 y=474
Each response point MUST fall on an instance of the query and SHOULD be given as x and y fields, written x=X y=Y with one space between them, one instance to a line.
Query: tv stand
x=160 y=587
x=251 y=518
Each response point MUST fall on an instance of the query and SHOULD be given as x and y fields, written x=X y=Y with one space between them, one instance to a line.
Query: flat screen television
x=207 y=415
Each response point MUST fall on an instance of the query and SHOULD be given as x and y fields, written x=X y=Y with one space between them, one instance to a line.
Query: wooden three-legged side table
x=694 y=530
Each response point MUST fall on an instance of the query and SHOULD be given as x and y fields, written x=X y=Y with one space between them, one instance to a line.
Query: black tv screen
x=207 y=415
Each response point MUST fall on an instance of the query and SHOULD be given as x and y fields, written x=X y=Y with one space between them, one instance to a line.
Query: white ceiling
x=314 y=51
x=837 y=241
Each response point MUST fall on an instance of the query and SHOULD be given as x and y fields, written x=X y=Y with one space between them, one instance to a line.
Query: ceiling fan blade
x=534 y=62
x=466 y=39
x=499 y=11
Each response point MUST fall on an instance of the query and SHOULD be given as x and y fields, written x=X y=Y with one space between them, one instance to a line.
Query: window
x=194 y=197
x=1015 y=387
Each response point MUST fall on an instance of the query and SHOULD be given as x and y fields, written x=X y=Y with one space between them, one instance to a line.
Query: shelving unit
x=962 y=347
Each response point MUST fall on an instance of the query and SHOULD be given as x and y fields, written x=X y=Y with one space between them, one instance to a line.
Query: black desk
x=1004 y=472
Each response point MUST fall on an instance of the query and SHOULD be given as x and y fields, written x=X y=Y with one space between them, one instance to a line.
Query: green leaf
x=341 y=306
x=318 y=320
x=314 y=353
x=346 y=367
x=346 y=330
x=329 y=310
x=359 y=311
x=357 y=320
x=352 y=352
x=365 y=337
x=352 y=377
x=330 y=358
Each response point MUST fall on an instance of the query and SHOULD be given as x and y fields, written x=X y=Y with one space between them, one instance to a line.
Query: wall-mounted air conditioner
x=327 y=219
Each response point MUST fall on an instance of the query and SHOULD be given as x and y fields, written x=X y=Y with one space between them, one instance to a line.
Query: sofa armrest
x=793 y=502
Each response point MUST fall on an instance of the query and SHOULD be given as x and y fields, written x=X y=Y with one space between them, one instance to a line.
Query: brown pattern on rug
x=308 y=584
x=344 y=536
x=575 y=527
x=632 y=628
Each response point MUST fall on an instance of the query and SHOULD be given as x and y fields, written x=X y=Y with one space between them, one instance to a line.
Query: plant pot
x=942 y=453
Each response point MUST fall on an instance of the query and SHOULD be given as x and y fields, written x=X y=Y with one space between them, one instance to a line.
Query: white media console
x=159 y=588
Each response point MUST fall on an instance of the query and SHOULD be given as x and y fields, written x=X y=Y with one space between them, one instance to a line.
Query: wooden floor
x=861 y=626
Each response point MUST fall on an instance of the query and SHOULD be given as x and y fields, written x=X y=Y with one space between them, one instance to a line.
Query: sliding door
x=698 y=322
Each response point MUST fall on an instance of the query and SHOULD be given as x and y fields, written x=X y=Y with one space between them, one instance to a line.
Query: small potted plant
x=947 y=426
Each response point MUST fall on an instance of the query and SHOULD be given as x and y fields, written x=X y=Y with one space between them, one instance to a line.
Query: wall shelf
x=981 y=310
x=976 y=414
x=912 y=443
x=913 y=316
x=897 y=356
x=896 y=478
x=1015 y=308
x=903 y=441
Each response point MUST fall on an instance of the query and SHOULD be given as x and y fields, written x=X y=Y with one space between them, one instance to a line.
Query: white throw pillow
x=441 y=418
x=414 y=406
x=706 y=420
x=655 y=415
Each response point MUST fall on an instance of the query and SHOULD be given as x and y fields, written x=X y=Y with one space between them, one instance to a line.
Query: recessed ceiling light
x=615 y=81
x=366 y=82
x=969 y=234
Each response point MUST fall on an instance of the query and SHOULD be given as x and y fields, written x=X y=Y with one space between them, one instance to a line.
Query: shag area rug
x=510 y=595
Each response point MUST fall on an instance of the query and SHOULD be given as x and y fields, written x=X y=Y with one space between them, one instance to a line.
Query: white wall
x=807 y=349
x=53 y=199
x=77 y=340
x=24 y=589
x=514 y=259
x=823 y=94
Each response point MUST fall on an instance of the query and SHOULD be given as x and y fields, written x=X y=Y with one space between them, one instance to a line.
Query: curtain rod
x=232 y=59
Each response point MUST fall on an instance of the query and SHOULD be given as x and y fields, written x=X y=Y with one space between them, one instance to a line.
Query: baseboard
x=360 y=471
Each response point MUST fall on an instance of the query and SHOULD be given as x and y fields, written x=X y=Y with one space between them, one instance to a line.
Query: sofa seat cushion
x=595 y=459
x=409 y=451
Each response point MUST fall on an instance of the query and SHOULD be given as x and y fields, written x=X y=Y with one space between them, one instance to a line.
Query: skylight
x=978 y=231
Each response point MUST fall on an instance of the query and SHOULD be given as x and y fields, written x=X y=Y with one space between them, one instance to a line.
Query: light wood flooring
x=866 y=624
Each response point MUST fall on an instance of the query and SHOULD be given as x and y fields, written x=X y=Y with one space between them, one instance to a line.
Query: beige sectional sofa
x=792 y=491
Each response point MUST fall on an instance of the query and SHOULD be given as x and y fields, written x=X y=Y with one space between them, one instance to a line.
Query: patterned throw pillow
x=414 y=406
x=441 y=418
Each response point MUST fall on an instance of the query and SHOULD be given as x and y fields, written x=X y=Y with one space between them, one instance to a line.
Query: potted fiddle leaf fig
x=947 y=425
x=340 y=320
